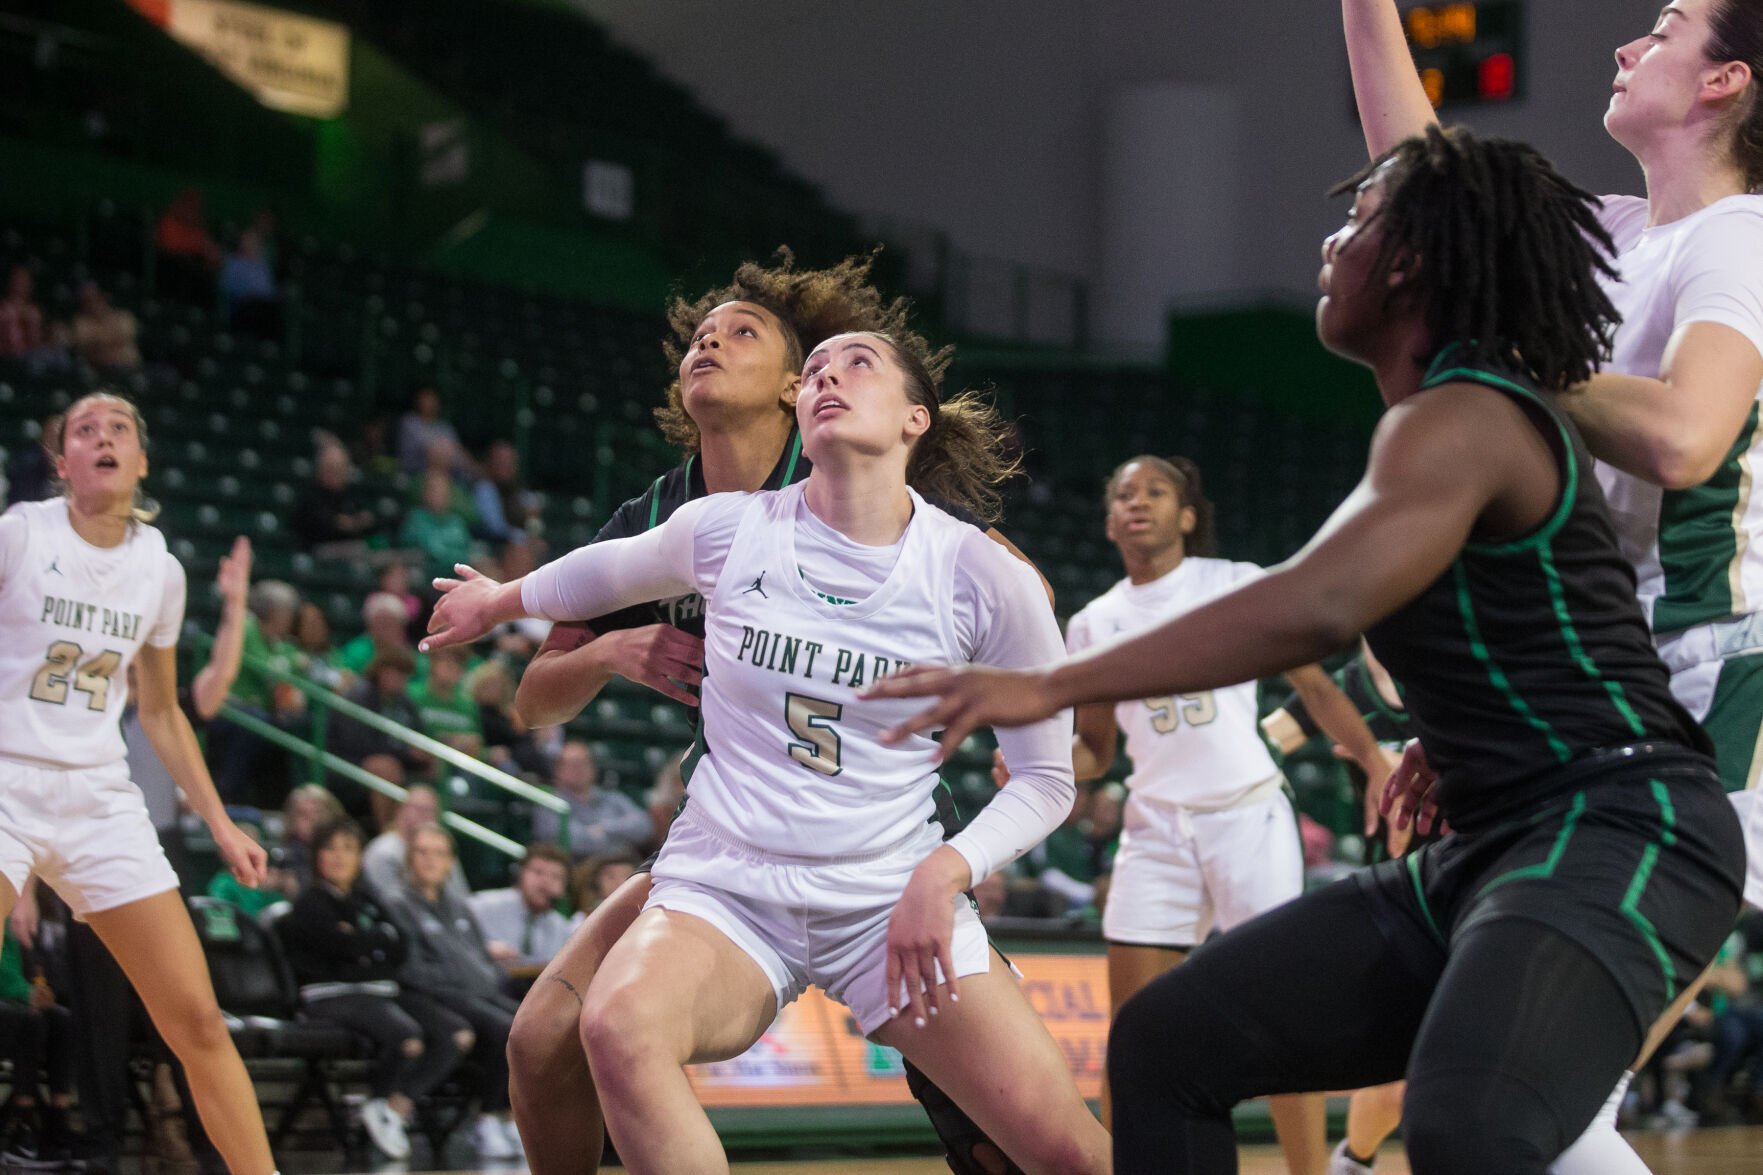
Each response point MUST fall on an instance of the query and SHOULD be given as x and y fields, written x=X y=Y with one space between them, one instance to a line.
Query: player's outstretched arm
x=156 y=678
x=1392 y=103
x=1673 y=431
x=1395 y=534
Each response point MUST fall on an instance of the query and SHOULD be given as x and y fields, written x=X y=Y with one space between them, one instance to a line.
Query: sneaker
x=21 y=1149
x=490 y=1141
x=1341 y=1163
x=512 y=1133
x=385 y=1128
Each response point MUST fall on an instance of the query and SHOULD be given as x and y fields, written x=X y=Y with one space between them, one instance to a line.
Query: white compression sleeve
x=618 y=573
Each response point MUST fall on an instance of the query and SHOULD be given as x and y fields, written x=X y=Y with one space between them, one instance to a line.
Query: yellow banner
x=814 y=1055
x=287 y=62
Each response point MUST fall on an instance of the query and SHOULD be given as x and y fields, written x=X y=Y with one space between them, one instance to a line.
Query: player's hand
x=1000 y=769
x=247 y=859
x=1409 y=798
x=233 y=580
x=921 y=933
x=24 y=917
x=967 y=698
x=659 y=656
x=466 y=611
x=1377 y=774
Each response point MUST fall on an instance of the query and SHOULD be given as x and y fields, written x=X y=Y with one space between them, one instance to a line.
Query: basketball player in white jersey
x=1673 y=416
x=87 y=587
x=807 y=853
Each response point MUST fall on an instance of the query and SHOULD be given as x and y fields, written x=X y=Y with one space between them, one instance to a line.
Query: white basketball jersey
x=1203 y=750
x=71 y=618
x=793 y=761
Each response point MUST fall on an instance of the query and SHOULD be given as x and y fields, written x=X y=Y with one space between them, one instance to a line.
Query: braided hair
x=1509 y=252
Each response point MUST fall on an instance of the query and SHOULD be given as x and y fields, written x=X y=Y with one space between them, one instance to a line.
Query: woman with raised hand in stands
x=1673 y=418
x=87 y=588
x=738 y=351
x=807 y=852
x=1512 y=969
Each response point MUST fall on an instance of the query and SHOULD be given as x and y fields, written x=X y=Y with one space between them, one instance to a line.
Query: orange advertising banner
x=814 y=1055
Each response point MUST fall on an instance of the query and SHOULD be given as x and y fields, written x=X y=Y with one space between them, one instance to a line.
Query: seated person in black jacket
x=346 y=954
x=449 y=976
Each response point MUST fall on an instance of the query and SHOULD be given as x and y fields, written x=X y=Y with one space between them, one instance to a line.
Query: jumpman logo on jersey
x=54 y=565
x=758 y=586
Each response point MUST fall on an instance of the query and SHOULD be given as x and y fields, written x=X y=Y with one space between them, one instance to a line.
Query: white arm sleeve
x=170 y=620
x=13 y=532
x=1013 y=627
x=684 y=554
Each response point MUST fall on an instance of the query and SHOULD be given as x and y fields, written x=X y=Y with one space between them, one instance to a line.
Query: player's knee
x=619 y=1030
x=195 y=1027
x=1473 y=1135
x=543 y=1040
x=1155 y=1027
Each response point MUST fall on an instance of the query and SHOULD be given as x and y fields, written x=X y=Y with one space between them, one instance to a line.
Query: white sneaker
x=385 y=1128
x=512 y=1132
x=490 y=1140
x=1340 y=1163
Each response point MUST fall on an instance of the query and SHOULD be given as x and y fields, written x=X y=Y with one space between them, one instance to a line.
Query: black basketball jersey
x=1528 y=654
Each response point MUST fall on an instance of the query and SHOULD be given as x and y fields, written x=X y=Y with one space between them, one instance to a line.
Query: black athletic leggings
x=390 y=1027
x=1510 y=1043
x=40 y=1044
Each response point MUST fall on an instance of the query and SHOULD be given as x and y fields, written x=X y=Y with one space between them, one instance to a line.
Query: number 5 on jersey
x=62 y=668
x=811 y=720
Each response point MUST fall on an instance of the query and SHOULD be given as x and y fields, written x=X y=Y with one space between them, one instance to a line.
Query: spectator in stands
x=506 y=509
x=247 y=286
x=36 y=1035
x=593 y=881
x=1736 y=1031
x=30 y=472
x=186 y=256
x=600 y=820
x=308 y=808
x=330 y=519
x=346 y=954
x=382 y=862
x=508 y=743
x=445 y=711
x=312 y=636
x=384 y=689
x=419 y=428
x=394 y=580
x=23 y=334
x=247 y=769
x=387 y=622
x=279 y=885
x=104 y=335
x=436 y=528
x=449 y=978
x=521 y=925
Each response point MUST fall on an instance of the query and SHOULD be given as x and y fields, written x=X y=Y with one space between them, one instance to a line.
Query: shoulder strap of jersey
x=1452 y=365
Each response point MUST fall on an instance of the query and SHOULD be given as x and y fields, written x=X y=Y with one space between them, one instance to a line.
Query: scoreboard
x=1468 y=52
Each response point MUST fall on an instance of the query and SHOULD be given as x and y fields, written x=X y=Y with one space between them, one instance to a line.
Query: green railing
x=323 y=702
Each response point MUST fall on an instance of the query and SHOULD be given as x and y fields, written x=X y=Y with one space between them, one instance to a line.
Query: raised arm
x=1676 y=430
x=214 y=681
x=1395 y=534
x=1392 y=103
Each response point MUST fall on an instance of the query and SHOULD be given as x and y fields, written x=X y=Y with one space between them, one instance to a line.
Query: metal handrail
x=293 y=743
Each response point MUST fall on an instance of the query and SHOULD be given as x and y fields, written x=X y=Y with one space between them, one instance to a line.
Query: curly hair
x=1509 y=251
x=810 y=305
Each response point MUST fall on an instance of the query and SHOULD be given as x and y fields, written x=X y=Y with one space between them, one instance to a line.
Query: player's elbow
x=1685 y=465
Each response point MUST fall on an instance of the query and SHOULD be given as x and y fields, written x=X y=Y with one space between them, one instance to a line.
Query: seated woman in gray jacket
x=448 y=978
